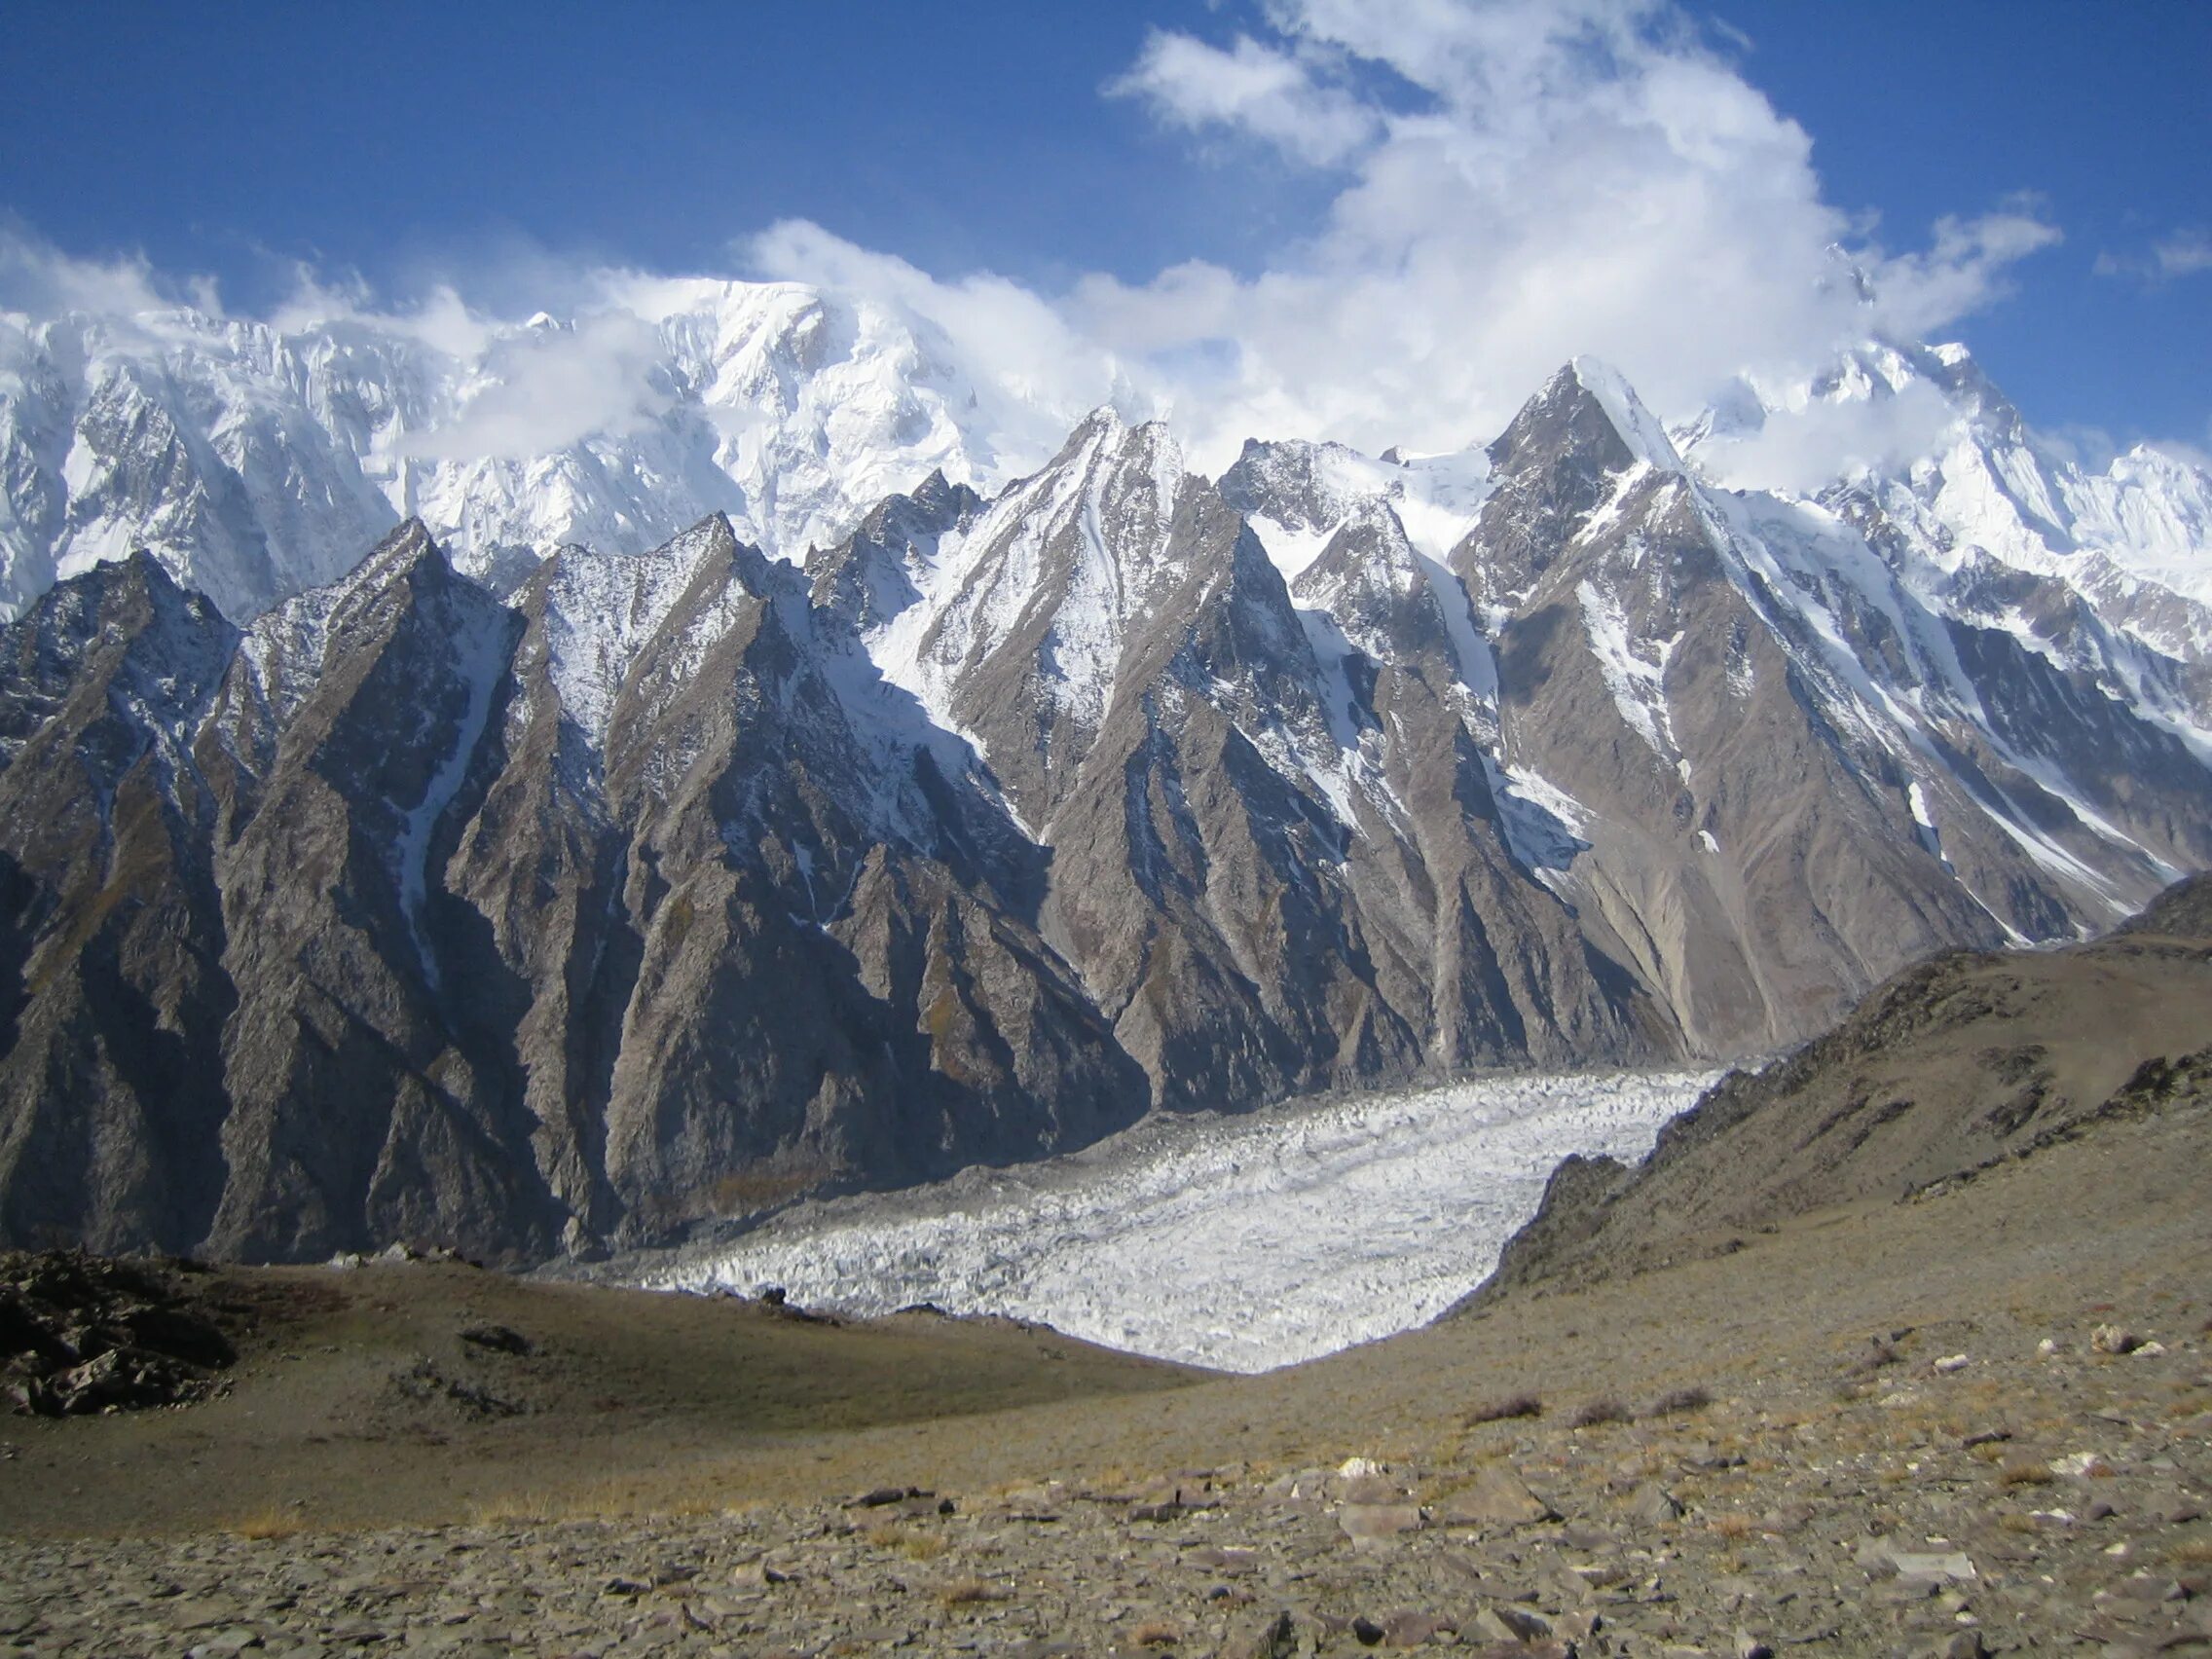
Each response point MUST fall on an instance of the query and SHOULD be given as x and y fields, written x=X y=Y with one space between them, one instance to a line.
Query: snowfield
x=1241 y=1242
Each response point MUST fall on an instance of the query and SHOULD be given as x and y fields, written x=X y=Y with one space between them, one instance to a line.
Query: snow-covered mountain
x=257 y=460
x=528 y=901
x=1981 y=515
x=1702 y=685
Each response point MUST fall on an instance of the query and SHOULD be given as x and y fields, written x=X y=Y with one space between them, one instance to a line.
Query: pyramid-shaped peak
x=1638 y=427
x=713 y=538
x=76 y=604
x=1107 y=422
x=408 y=548
x=713 y=531
x=1105 y=438
x=410 y=538
x=1104 y=422
x=136 y=572
x=940 y=501
x=1587 y=409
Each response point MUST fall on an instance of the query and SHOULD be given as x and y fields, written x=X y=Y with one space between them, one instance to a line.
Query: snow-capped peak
x=256 y=459
x=601 y=609
x=1960 y=478
x=1638 y=428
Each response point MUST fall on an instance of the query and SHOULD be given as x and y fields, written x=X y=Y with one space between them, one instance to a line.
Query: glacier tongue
x=1242 y=1243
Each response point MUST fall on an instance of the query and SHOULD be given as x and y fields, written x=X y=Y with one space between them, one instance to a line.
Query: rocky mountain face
x=415 y=914
x=526 y=904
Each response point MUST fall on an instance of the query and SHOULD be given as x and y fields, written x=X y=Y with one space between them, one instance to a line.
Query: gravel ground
x=1845 y=1436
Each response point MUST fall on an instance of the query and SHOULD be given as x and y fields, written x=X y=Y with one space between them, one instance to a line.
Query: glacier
x=1242 y=1242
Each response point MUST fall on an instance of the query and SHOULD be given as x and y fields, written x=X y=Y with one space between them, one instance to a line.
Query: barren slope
x=1961 y=1061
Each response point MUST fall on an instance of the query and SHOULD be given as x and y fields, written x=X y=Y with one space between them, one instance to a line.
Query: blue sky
x=498 y=146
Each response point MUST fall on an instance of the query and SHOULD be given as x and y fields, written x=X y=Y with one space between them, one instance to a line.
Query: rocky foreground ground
x=1992 y=1501
x=1972 y=1415
x=1899 y=1429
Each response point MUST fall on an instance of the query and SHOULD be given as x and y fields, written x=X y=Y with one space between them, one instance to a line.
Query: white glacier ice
x=1239 y=1242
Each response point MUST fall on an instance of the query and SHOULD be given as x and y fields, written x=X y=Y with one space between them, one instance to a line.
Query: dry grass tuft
x=905 y=1541
x=2191 y=1552
x=1680 y=1402
x=1591 y=1413
x=1731 y=1524
x=2020 y=1474
x=968 y=1593
x=272 y=1521
x=1506 y=1409
x=536 y=1508
x=1157 y=1633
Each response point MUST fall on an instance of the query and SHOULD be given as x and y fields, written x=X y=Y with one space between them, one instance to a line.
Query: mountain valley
x=1284 y=829
x=1971 y=1417
x=535 y=905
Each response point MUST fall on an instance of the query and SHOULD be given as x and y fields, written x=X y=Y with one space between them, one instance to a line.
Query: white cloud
x=2198 y=456
x=541 y=390
x=1516 y=183
x=2081 y=444
x=1017 y=349
x=1540 y=181
x=440 y=319
x=2184 y=253
x=2197 y=453
x=38 y=278
x=1258 y=87
x=1803 y=449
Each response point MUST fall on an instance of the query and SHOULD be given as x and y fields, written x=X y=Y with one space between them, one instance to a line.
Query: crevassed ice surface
x=1242 y=1243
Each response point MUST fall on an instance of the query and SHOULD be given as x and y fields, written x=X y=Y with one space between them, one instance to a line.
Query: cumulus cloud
x=1526 y=182
x=1259 y=88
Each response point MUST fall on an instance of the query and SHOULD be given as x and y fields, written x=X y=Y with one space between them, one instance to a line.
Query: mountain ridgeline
x=630 y=889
